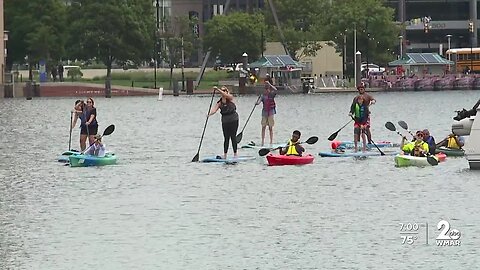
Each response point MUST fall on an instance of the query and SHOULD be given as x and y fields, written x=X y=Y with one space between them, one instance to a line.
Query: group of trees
x=117 y=31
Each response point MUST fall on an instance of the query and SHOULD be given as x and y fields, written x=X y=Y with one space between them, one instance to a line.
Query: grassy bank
x=147 y=80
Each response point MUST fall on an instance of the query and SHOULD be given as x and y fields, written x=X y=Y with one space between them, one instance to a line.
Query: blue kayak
x=358 y=154
x=230 y=160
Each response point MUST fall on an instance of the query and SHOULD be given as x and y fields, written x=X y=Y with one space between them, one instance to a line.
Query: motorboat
x=468 y=126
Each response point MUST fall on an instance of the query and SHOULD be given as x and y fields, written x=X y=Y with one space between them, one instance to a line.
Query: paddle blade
x=390 y=126
x=262 y=152
x=333 y=136
x=196 y=157
x=432 y=161
x=239 y=137
x=109 y=130
x=312 y=140
x=403 y=124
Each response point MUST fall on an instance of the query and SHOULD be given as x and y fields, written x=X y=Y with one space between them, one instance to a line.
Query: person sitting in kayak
x=417 y=148
x=430 y=140
x=97 y=148
x=452 y=141
x=293 y=147
x=359 y=112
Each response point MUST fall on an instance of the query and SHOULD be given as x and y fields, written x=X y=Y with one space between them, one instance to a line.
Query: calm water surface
x=157 y=210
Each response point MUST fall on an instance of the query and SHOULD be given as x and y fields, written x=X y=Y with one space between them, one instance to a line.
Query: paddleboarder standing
x=228 y=109
x=269 y=109
x=368 y=100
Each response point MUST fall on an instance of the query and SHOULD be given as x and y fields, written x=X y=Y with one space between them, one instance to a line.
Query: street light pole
x=156 y=46
x=470 y=29
x=401 y=46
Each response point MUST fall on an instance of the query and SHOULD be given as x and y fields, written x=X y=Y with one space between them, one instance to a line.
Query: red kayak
x=277 y=160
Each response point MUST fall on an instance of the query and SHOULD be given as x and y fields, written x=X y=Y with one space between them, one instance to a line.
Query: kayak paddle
x=240 y=135
x=262 y=152
x=197 y=156
x=404 y=125
x=334 y=135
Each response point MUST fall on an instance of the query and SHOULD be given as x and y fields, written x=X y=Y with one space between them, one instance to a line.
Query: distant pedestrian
x=54 y=74
x=60 y=72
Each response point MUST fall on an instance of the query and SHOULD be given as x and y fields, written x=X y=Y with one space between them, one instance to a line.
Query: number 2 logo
x=446 y=233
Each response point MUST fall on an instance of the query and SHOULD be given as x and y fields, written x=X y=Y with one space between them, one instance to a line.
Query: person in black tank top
x=228 y=109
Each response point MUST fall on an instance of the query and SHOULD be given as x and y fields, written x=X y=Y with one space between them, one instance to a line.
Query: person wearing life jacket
x=269 y=110
x=359 y=113
x=293 y=147
x=452 y=141
x=430 y=140
x=97 y=148
x=368 y=100
x=417 y=148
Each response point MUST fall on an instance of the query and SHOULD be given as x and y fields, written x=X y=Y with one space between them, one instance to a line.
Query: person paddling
x=269 y=109
x=452 y=141
x=228 y=109
x=417 y=148
x=430 y=140
x=97 y=148
x=293 y=147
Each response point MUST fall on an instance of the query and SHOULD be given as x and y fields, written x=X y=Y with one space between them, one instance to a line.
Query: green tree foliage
x=37 y=30
x=111 y=31
x=177 y=29
x=230 y=36
x=301 y=24
x=376 y=30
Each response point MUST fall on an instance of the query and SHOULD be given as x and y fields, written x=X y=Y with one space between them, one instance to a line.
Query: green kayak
x=79 y=160
x=450 y=152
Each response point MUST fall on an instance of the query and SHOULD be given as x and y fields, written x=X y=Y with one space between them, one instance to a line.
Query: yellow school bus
x=465 y=59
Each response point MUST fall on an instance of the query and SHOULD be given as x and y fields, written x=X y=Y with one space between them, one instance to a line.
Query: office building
x=447 y=24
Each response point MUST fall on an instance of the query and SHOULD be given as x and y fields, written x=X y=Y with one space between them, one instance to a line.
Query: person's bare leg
x=355 y=142
x=364 y=148
x=83 y=141
x=271 y=134
x=263 y=135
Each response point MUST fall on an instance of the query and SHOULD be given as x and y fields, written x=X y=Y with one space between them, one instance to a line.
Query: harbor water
x=156 y=209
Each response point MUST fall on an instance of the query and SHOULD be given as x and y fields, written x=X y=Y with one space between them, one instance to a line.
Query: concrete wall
x=326 y=62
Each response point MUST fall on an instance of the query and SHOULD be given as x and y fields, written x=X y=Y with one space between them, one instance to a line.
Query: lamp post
x=449 y=37
x=470 y=29
x=401 y=46
x=155 y=60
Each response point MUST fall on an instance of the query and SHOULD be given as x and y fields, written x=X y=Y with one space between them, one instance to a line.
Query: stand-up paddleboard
x=358 y=154
x=351 y=145
x=229 y=160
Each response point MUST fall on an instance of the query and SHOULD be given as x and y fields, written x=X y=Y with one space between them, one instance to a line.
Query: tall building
x=435 y=25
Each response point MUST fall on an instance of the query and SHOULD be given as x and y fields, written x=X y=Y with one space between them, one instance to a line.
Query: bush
x=74 y=73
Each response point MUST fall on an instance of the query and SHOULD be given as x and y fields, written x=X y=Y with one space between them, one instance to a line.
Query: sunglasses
x=89 y=102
